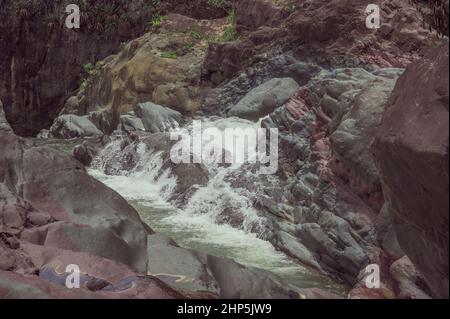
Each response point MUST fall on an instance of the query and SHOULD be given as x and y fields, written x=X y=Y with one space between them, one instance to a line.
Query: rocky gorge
x=86 y=118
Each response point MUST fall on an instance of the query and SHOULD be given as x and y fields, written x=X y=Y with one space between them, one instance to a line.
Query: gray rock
x=93 y=218
x=352 y=139
x=157 y=118
x=73 y=126
x=332 y=242
x=131 y=123
x=196 y=271
x=264 y=99
x=219 y=100
x=293 y=247
x=87 y=150
x=104 y=120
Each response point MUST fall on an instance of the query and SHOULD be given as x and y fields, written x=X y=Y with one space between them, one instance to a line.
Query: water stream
x=148 y=188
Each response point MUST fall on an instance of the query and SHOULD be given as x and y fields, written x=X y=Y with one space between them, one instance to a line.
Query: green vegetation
x=230 y=33
x=89 y=68
x=169 y=55
x=84 y=85
x=198 y=35
x=157 y=21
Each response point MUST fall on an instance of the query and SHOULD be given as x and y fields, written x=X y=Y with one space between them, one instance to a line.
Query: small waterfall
x=218 y=200
x=136 y=175
x=218 y=218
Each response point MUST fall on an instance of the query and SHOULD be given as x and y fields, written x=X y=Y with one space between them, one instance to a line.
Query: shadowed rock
x=412 y=154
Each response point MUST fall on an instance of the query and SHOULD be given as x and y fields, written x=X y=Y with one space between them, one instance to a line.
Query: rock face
x=264 y=99
x=36 y=47
x=412 y=154
x=354 y=126
x=41 y=61
x=163 y=67
x=326 y=211
x=331 y=31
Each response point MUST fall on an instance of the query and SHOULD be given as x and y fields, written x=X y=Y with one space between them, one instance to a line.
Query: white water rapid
x=148 y=188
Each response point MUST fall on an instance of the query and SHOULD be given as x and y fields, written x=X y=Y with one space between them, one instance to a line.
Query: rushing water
x=147 y=187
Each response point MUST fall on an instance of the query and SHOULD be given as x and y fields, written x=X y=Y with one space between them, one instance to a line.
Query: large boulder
x=157 y=118
x=41 y=179
x=264 y=99
x=73 y=126
x=411 y=149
